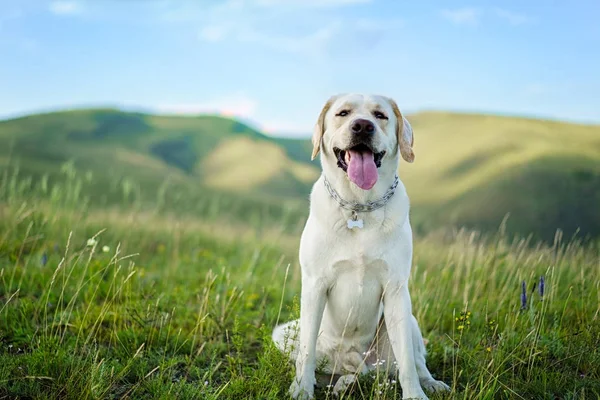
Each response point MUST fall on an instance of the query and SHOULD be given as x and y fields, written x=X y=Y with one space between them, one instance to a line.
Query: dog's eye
x=342 y=113
x=379 y=115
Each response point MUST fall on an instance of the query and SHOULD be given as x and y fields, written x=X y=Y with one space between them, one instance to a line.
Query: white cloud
x=535 y=89
x=462 y=16
x=64 y=7
x=236 y=105
x=472 y=16
x=310 y=44
x=288 y=128
x=307 y=28
x=248 y=22
x=512 y=17
x=215 y=33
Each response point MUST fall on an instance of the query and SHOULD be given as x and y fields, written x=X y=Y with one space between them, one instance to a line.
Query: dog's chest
x=354 y=299
x=363 y=249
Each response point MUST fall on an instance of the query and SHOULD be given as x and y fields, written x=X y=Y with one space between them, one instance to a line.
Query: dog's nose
x=362 y=126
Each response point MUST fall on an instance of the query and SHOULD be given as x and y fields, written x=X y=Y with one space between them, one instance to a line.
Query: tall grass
x=128 y=301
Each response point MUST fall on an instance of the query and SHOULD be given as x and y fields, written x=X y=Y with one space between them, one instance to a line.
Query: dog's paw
x=416 y=394
x=343 y=383
x=431 y=385
x=302 y=390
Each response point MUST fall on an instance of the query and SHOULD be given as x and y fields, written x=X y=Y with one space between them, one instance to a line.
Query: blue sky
x=275 y=62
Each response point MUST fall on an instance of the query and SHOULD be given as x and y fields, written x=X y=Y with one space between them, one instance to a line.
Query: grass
x=127 y=301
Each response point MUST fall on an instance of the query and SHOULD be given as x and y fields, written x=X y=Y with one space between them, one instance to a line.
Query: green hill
x=470 y=170
x=212 y=151
x=473 y=170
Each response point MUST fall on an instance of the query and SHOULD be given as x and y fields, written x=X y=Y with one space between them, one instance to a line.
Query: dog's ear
x=320 y=128
x=404 y=134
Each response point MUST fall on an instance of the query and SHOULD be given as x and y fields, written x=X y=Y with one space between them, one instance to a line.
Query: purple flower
x=44 y=259
x=523 y=296
x=542 y=286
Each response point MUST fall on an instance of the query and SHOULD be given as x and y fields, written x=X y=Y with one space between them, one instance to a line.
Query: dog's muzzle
x=360 y=159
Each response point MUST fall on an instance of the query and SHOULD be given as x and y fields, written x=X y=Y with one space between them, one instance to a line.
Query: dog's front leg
x=312 y=305
x=397 y=311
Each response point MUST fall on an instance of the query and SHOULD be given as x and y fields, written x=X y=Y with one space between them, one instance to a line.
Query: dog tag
x=354 y=222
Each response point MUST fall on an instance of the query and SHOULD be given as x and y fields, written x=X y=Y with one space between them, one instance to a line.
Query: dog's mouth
x=360 y=162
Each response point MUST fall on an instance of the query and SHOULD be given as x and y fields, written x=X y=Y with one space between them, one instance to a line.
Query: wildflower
x=91 y=242
x=105 y=249
x=523 y=296
x=463 y=320
x=44 y=259
x=542 y=287
x=488 y=349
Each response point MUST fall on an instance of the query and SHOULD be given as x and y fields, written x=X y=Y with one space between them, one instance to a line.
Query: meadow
x=123 y=300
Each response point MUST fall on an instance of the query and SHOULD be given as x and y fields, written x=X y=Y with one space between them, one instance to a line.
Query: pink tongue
x=362 y=170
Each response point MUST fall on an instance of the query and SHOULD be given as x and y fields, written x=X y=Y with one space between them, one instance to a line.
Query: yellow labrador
x=356 y=254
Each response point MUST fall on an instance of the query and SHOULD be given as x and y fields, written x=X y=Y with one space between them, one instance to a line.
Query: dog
x=356 y=254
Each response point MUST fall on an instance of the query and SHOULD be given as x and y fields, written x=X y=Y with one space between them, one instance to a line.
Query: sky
x=274 y=63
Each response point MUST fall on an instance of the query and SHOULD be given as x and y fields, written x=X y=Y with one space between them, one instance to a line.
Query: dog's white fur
x=355 y=311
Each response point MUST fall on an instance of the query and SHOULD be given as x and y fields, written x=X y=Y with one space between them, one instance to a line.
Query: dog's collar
x=361 y=207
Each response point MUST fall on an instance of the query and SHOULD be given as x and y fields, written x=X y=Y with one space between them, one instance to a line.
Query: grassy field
x=127 y=301
x=470 y=170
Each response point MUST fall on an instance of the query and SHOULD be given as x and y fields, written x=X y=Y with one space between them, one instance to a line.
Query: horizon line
x=258 y=126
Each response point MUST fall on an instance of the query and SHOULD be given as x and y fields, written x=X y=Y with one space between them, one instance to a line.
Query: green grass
x=175 y=301
x=470 y=170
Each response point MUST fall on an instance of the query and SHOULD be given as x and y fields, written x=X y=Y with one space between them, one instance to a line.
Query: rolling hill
x=470 y=170
x=216 y=152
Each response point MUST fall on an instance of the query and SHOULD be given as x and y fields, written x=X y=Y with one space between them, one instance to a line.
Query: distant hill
x=211 y=151
x=470 y=170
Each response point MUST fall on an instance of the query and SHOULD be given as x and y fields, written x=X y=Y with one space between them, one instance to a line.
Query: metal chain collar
x=359 y=207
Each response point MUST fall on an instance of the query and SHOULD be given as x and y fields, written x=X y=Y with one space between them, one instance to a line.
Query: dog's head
x=360 y=133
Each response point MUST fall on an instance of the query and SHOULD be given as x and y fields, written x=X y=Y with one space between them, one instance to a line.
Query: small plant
x=463 y=320
x=523 y=297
